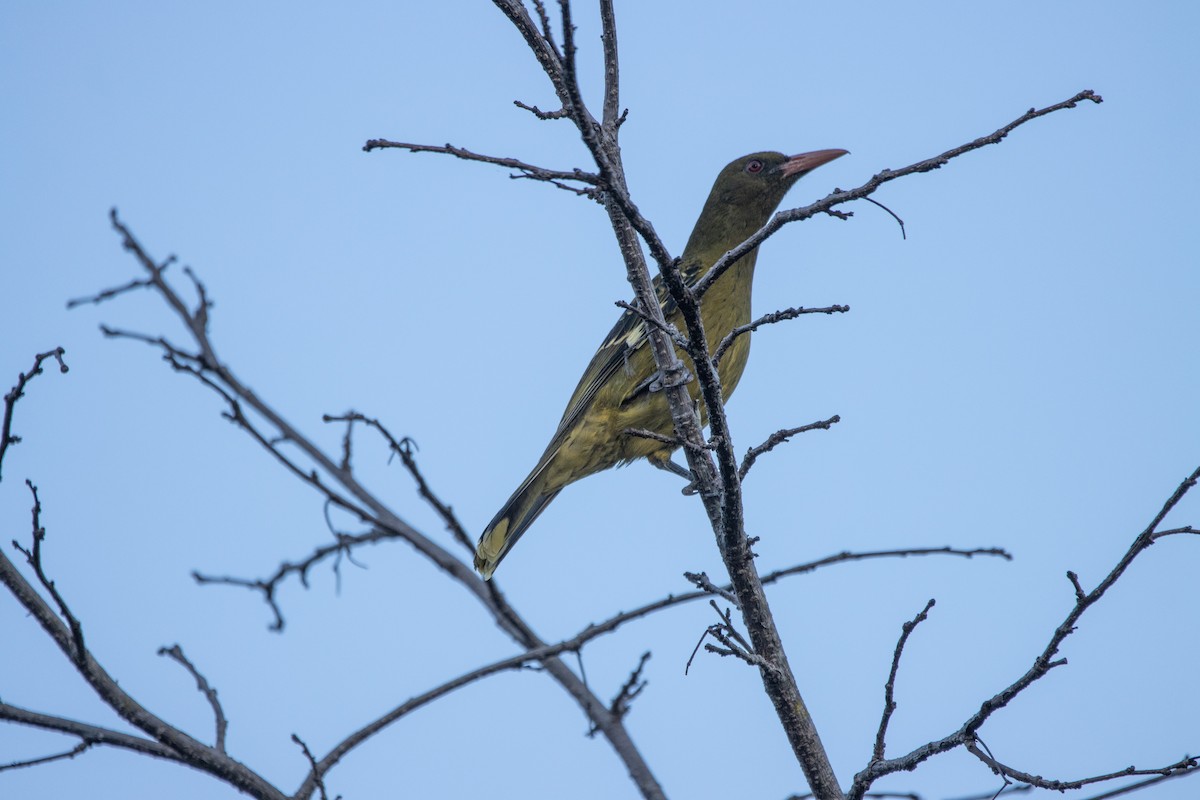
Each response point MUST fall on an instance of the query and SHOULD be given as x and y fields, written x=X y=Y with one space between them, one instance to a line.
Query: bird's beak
x=806 y=162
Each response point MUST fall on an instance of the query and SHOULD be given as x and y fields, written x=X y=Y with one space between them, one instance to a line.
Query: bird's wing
x=626 y=337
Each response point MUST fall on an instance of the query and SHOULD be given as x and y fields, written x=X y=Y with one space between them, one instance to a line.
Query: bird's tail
x=510 y=522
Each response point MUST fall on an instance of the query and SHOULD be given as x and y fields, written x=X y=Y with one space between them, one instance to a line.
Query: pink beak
x=810 y=161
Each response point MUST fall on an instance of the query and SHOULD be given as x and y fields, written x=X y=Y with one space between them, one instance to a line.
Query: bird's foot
x=668 y=465
x=659 y=381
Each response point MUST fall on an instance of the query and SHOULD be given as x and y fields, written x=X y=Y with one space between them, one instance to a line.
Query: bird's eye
x=754 y=166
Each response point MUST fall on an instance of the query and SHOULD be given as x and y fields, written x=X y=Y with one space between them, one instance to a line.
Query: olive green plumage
x=614 y=393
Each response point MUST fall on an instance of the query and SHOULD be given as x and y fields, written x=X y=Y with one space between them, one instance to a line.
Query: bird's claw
x=670 y=466
x=659 y=381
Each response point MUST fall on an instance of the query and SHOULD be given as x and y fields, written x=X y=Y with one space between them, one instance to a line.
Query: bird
x=618 y=390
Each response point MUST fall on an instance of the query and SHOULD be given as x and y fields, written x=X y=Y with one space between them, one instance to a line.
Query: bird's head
x=747 y=192
x=744 y=196
x=757 y=183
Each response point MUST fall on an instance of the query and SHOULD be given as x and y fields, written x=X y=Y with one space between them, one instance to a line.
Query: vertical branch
x=612 y=73
x=722 y=498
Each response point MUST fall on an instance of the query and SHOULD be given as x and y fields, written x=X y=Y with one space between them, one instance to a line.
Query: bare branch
x=315 y=773
x=1042 y=664
x=734 y=643
x=542 y=115
x=33 y=556
x=560 y=67
x=210 y=694
x=577 y=642
x=405 y=448
x=837 y=198
x=701 y=581
x=203 y=367
x=772 y=577
x=167 y=741
x=220 y=380
x=633 y=686
x=973 y=745
x=525 y=170
x=542 y=654
x=1139 y=785
x=768 y=319
x=206 y=367
x=630 y=689
x=78 y=749
x=611 y=118
x=109 y=294
x=581 y=191
x=889 y=689
x=18 y=391
x=270 y=586
x=88 y=733
x=544 y=18
x=779 y=437
x=1187 y=529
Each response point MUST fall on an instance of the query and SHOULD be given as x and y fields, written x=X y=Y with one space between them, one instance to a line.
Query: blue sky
x=1020 y=372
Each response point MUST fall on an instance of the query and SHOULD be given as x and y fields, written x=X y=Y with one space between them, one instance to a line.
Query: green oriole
x=615 y=392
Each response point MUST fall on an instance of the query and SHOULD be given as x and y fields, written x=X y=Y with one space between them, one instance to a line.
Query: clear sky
x=1020 y=372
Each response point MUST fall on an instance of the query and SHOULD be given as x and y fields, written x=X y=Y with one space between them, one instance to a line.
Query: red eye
x=754 y=167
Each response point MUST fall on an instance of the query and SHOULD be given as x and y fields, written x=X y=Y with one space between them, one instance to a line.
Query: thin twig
x=547 y=33
x=1138 y=786
x=779 y=437
x=33 y=556
x=1185 y=764
x=315 y=773
x=176 y=652
x=701 y=581
x=889 y=689
x=18 y=391
x=542 y=115
x=525 y=170
x=405 y=448
x=78 y=749
x=768 y=319
x=85 y=731
x=109 y=294
x=270 y=586
x=633 y=686
x=734 y=643
x=846 y=556
x=630 y=689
